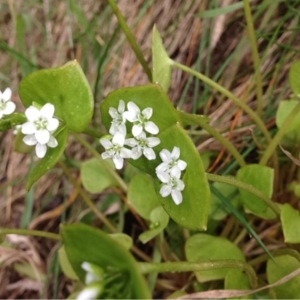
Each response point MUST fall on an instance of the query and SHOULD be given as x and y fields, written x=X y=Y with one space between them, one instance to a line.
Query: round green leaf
x=284 y=265
x=159 y=221
x=142 y=195
x=51 y=158
x=66 y=88
x=95 y=177
x=263 y=182
x=237 y=280
x=87 y=244
x=290 y=220
x=205 y=248
x=294 y=77
x=161 y=62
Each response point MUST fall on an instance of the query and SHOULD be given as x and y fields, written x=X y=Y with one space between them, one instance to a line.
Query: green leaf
x=66 y=88
x=193 y=212
x=292 y=135
x=260 y=177
x=161 y=62
x=122 y=238
x=237 y=280
x=84 y=243
x=294 y=77
x=204 y=247
x=51 y=158
x=65 y=264
x=142 y=195
x=9 y=122
x=284 y=265
x=95 y=177
x=290 y=220
x=159 y=221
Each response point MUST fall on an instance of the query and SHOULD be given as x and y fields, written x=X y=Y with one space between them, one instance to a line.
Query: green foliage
x=161 y=62
x=283 y=266
x=95 y=177
x=10 y=121
x=290 y=221
x=86 y=244
x=204 y=247
x=66 y=88
x=237 y=280
x=294 y=78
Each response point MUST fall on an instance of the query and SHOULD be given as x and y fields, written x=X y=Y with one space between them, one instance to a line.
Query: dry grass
x=49 y=33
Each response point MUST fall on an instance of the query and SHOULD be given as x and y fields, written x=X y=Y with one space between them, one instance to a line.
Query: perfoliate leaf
x=66 y=88
x=51 y=158
x=161 y=62
x=290 y=221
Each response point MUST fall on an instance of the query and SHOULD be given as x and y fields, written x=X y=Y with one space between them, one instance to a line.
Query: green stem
x=146 y=268
x=108 y=168
x=44 y=234
x=279 y=135
x=247 y=187
x=86 y=198
x=255 y=56
x=130 y=37
x=94 y=132
x=228 y=94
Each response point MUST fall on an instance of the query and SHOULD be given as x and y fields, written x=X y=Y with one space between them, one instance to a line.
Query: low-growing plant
x=144 y=153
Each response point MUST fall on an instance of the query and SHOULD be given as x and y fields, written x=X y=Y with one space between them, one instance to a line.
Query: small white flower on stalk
x=171 y=162
x=115 y=149
x=7 y=107
x=39 y=128
x=173 y=186
x=140 y=119
x=143 y=145
x=118 y=119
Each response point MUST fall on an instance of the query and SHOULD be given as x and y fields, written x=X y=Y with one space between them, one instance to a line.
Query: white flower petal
x=106 y=143
x=151 y=127
x=42 y=136
x=153 y=141
x=175 y=153
x=118 y=139
x=149 y=153
x=163 y=167
x=165 y=155
x=175 y=172
x=105 y=155
x=52 y=142
x=6 y=95
x=32 y=113
x=180 y=185
x=137 y=129
x=131 y=142
x=52 y=124
x=40 y=150
x=9 y=108
x=30 y=140
x=176 y=196
x=125 y=153
x=147 y=112
x=132 y=107
x=121 y=107
x=181 y=164
x=118 y=161
x=88 y=293
x=136 y=153
x=28 y=128
x=163 y=177
x=47 y=111
x=113 y=112
x=165 y=190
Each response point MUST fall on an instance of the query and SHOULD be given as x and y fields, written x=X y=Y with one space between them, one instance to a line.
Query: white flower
x=7 y=107
x=118 y=119
x=39 y=128
x=89 y=293
x=172 y=185
x=140 y=119
x=115 y=149
x=143 y=145
x=171 y=162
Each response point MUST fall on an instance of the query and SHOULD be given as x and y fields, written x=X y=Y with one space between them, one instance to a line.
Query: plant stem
x=130 y=37
x=247 y=187
x=255 y=56
x=146 y=268
x=228 y=94
x=279 y=135
x=30 y=232
x=86 y=198
x=93 y=132
x=108 y=168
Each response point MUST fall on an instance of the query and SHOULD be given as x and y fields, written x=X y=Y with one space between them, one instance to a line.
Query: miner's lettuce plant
x=145 y=153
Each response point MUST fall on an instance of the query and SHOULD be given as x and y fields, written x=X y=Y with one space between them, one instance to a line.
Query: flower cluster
x=7 y=107
x=140 y=144
x=93 y=277
x=39 y=128
x=169 y=173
